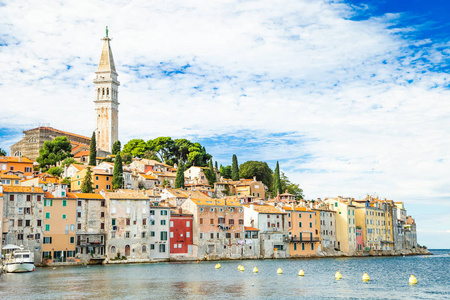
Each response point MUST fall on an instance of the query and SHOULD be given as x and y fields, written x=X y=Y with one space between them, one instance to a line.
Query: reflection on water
x=389 y=279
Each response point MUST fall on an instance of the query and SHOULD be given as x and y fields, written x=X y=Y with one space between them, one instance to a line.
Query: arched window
x=103 y=91
x=144 y=248
x=32 y=140
x=127 y=250
x=107 y=91
x=113 y=249
x=18 y=153
x=98 y=94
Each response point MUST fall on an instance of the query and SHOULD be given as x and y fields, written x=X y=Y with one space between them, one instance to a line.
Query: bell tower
x=106 y=99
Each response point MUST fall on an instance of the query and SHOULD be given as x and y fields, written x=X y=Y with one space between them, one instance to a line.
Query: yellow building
x=375 y=219
x=59 y=227
x=101 y=180
x=303 y=230
x=10 y=179
x=345 y=223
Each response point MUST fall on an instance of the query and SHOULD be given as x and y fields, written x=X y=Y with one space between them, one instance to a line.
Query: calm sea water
x=389 y=280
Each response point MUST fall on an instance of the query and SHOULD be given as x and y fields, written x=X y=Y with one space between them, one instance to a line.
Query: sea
x=389 y=279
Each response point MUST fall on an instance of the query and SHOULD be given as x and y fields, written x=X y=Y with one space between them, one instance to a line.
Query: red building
x=180 y=232
x=359 y=239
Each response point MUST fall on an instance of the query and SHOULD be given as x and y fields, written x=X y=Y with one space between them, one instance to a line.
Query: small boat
x=19 y=261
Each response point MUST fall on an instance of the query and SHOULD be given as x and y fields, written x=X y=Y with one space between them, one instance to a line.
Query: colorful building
x=345 y=223
x=17 y=164
x=181 y=239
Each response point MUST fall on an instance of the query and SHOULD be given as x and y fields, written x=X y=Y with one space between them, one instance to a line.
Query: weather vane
x=106 y=31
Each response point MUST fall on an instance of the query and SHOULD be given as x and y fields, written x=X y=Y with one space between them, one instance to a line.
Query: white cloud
x=353 y=97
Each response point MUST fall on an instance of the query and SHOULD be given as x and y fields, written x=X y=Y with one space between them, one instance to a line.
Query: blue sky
x=352 y=97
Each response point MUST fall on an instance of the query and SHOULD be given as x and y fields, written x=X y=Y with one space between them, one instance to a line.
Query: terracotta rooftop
x=127 y=194
x=87 y=196
x=216 y=202
x=250 y=228
x=59 y=131
x=22 y=189
x=82 y=153
x=15 y=159
x=265 y=209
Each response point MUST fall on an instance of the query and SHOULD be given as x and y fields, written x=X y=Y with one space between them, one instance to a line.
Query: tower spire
x=106 y=99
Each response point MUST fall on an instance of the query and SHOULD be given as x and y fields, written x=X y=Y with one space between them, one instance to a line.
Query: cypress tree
x=179 y=180
x=235 y=169
x=211 y=175
x=117 y=173
x=116 y=148
x=277 y=180
x=87 y=186
x=217 y=168
x=93 y=151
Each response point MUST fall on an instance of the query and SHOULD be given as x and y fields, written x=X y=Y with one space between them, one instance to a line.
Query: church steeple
x=106 y=100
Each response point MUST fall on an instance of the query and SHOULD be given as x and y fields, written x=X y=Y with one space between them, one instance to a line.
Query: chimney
x=180 y=210
x=293 y=206
x=254 y=178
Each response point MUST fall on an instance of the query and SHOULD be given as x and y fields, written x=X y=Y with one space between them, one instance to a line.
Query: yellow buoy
x=242 y=269
x=338 y=275
x=218 y=266
x=412 y=279
x=365 y=277
x=239 y=267
x=301 y=273
x=279 y=271
x=255 y=270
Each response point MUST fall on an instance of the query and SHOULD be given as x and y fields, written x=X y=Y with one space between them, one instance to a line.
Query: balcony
x=304 y=239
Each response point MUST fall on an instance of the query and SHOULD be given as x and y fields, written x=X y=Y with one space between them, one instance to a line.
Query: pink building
x=359 y=239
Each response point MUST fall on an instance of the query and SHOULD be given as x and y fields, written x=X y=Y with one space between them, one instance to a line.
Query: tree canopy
x=164 y=149
x=225 y=171
x=55 y=171
x=259 y=169
x=277 y=181
x=292 y=188
x=117 y=181
x=210 y=173
x=2 y=152
x=54 y=151
x=179 y=180
x=87 y=186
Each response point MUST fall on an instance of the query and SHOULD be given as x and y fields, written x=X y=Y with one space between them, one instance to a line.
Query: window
x=39 y=223
x=295 y=246
x=303 y=246
x=64 y=202
x=79 y=226
x=127 y=235
x=310 y=224
x=231 y=221
x=78 y=214
x=28 y=197
x=11 y=197
x=128 y=222
x=212 y=235
x=143 y=234
x=107 y=178
x=171 y=234
x=108 y=187
x=188 y=224
x=152 y=233
x=188 y=234
x=221 y=220
x=201 y=221
x=163 y=212
x=37 y=236
x=163 y=222
x=64 y=216
x=152 y=246
x=175 y=245
x=39 y=198
x=162 y=248
x=201 y=209
x=47 y=227
x=144 y=248
x=211 y=209
x=312 y=246
x=72 y=227
x=201 y=235
x=79 y=203
x=47 y=240
x=241 y=221
x=211 y=221
x=47 y=202
x=27 y=223
x=300 y=224
x=144 y=222
x=268 y=224
x=96 y=177
x=102 y=214
x=163 y=235
x=152 y=212
x=102 y=226
x=228 y=235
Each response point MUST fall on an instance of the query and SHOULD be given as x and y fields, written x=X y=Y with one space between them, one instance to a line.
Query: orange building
x=101 y=180
x=8 y=178
x=59 y=227
x=16 y=163
x=303 y=227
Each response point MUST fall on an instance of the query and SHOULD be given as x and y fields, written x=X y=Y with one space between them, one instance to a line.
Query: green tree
x=259 y=169
x=292 y=188
x=235 y=168
x=2 y=152
x=179 y=180
x=116 y=148
x=217 y=169
x=225 y=172
x=93 y=151
x=54 y=151
x=276 y=181
x=135 y=147
x=163 y=147
x=55 y=171
x=117 y=181
x=127 y=158
x=165 y=183
x=68 y=161
x=210 y=174
x=87 y=186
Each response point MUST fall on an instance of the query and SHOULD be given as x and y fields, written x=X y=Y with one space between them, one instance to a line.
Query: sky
x=351 y=97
